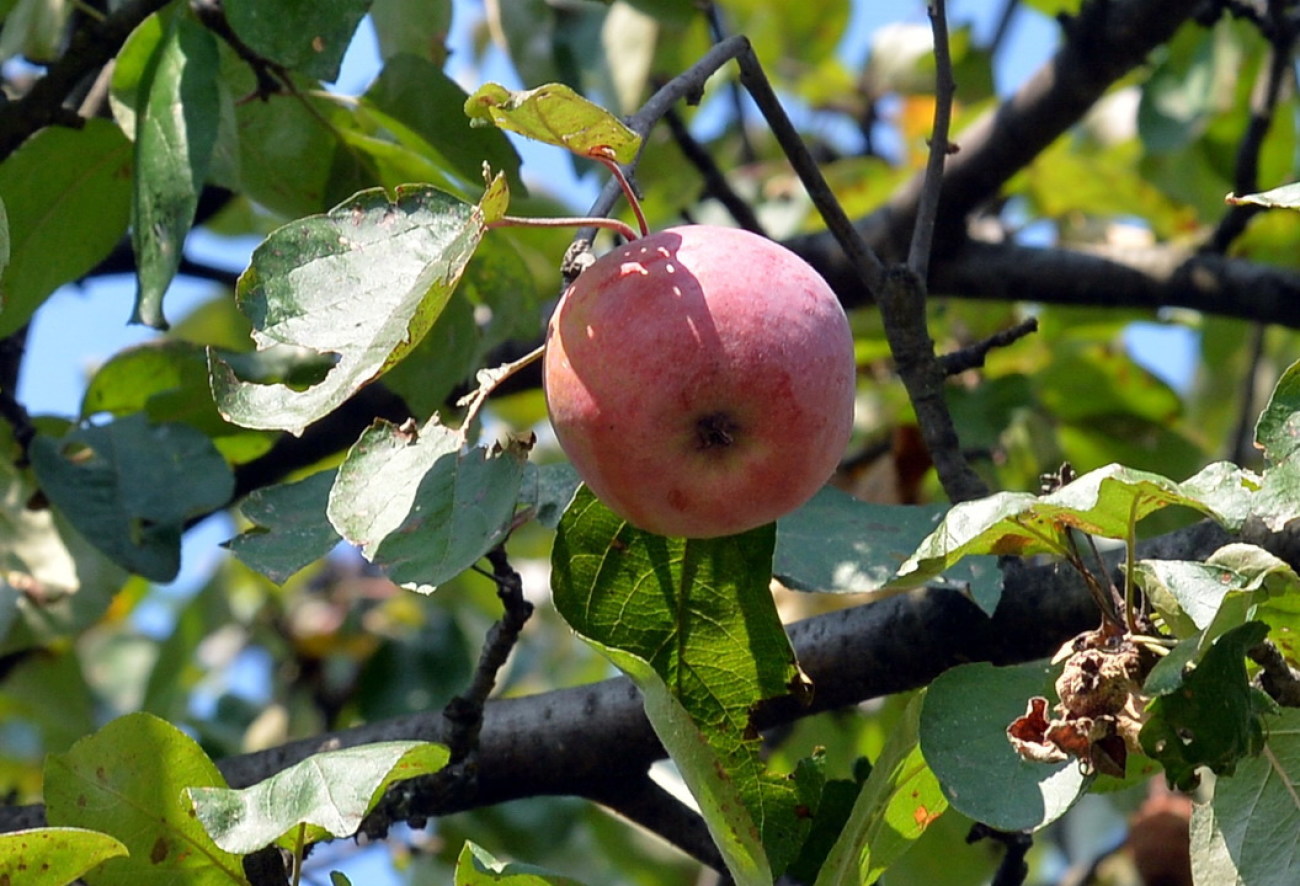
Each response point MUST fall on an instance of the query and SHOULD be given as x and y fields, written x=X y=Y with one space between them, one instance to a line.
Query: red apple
x=701 y=380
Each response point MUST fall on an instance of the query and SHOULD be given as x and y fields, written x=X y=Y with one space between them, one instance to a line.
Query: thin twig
x=1279 y=679
x=865 y=262
x=719 y=33
x=918 y=256
x=272 y=78
x=973 y=356
x=1003 y=26
x=715 y=182
x=1263 y=107
x=464 y=713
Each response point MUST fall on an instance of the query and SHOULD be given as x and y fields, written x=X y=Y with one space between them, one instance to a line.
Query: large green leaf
x=421 y=504
x=176 y=128
x=1213 y=717
x=330 y=793
x=365 y=282
x=1104 y=502
x=309 y=36
x=48 y=186
x=291 y=157
x=55 y=856
x=1245 y=834
x=477 y=867
x=693 y=624
x=128 y=780
x=290 y=529
x=964 y=739
x=556 y=115
x=130 y=487
x=900 y=799
x=838 y=544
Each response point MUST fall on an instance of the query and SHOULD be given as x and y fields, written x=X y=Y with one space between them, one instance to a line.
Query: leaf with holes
x=363 y=282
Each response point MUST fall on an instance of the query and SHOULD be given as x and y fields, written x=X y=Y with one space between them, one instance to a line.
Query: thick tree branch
x=588 y=740
x=1158 y=277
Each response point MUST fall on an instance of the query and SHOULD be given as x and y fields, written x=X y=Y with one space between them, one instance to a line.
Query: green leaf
x=548 y=489
x=477 y=867
x=412 y=27
x=422 y=506
x=1197 y=591
x=55 y=856
x=1102 y=502
x=330 y=792
x=291 y=528
x=130 y=487
x=838 y=544
x=1278 y=430
x=964 y=739
x=176 y=128
x=53 y=583
x=1243 y=835
x=900 y=799
x=556 y=115
x=416 y=92
x=1213 y=717
x=693 y=624
x=36 y=30
x=365 y=281
x=292 y=158
x=47 y=185
x=1285 y=197
x=167 y=380
x=309 y=36
x=127 y=780
x=131 y=70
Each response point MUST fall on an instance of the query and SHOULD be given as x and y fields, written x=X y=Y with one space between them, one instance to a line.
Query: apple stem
x=612 y=224
x=617 y=171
